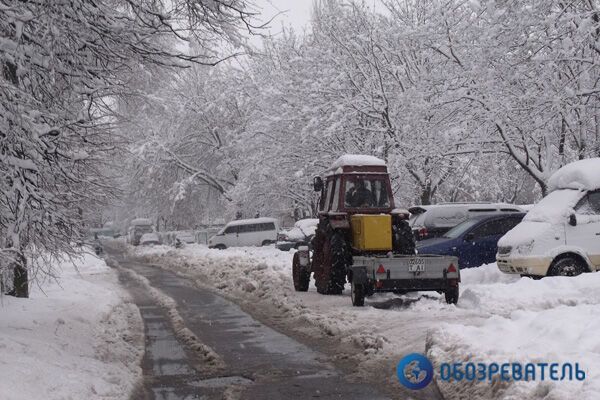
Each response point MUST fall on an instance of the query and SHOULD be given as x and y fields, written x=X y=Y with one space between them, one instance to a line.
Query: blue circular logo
x=415 y=371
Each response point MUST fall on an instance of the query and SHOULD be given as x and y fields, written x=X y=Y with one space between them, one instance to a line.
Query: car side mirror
x=572 y=220
x=469 y=237
x=317 y=183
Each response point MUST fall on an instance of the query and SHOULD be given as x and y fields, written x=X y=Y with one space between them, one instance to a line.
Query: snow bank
x=72 y=339
x=580 y=175
x=550 y=320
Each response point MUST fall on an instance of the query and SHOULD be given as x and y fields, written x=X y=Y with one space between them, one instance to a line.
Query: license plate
x=416 y=265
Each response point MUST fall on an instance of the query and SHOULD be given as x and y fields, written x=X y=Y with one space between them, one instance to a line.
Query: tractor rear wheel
x=332 y=276
x=300 y=275
x=403 y=238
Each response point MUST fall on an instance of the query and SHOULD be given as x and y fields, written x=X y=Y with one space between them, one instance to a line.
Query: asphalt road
x=259 y=362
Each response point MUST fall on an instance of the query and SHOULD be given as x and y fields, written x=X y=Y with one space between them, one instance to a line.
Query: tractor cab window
x=366 y=193
x=327 y=194
x=336 y=196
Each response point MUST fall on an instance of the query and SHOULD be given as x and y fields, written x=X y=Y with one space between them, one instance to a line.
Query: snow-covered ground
x=499 y=318
x=76 y=337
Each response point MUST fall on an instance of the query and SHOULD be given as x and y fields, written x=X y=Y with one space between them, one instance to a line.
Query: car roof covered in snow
x=251 y=221
x=141 y=221
x=305 y=223
x=579 y=175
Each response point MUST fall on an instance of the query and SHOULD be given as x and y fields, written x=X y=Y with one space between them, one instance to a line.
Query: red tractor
x=363 y=239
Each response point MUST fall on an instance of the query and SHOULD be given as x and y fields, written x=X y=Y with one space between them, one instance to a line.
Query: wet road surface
x=260 y=363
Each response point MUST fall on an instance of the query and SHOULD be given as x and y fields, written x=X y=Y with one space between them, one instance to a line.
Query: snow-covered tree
x=63 y=66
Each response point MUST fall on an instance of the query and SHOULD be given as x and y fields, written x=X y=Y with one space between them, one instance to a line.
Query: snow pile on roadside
x=551 y=320
x=73 y=339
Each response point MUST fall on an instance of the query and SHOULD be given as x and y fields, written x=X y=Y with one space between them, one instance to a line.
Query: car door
x=230 y=236
x=480 y=244
x=247 y=235
x=586 y=233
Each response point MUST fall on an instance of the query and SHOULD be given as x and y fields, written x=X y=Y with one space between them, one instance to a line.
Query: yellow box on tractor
x=363 y=239
x=371 y=232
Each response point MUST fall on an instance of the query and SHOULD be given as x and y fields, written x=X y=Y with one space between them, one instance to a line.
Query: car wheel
x=267 y=242
x=566 y=266
x=451 y=295
x=220 y=247
x=534 y=277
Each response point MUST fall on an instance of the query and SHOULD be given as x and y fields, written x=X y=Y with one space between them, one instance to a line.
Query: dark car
x=435 y=220
x=300 y=235
x=474 y=241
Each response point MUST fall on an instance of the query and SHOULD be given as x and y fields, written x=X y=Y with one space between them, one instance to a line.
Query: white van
x=137 y=228
x=561 y=234
x=246 y=232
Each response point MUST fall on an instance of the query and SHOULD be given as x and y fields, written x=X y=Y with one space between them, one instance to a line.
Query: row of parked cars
x=469 y=231
x=560 y=235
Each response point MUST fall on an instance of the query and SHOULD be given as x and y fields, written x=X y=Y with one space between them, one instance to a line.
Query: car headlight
x=525 y=248
x=504 y=250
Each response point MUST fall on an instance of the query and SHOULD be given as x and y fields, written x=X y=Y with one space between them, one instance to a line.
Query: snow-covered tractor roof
x=357 y=163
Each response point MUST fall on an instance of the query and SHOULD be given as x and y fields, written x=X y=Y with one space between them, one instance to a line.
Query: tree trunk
x=426 y=195
x=20 y=278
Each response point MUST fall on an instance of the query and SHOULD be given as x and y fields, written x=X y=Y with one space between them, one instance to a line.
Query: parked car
x=149 y=239
x=137 y=228
x=561 y=233
x=203 y=236
x=246 y=232
x=435 y=220
x=186 y=237
x=102 y=233
x=473 y=241
x=300 y=235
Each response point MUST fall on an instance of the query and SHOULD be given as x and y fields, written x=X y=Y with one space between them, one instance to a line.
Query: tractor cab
x=356 y=189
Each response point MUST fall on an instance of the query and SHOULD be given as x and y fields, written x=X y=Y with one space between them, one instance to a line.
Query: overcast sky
x=294 y=12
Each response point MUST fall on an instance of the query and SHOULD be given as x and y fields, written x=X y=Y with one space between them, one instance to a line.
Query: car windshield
x=144 y=228
x=459 y=229
x=366 y=193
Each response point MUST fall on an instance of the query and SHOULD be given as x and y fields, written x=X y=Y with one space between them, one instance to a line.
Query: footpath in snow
x=76 y=337
x=499 y=318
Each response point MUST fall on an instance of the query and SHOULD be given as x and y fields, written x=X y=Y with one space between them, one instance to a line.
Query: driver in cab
x=359 y=196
